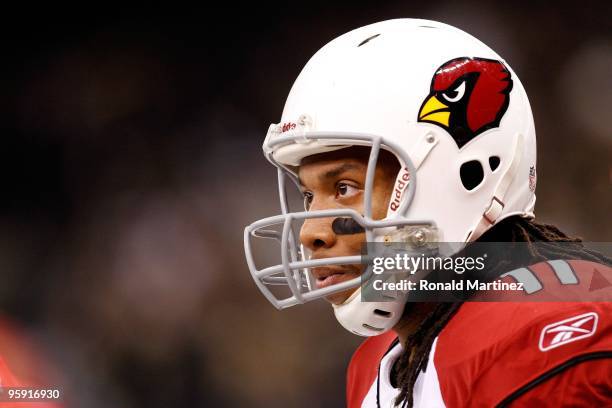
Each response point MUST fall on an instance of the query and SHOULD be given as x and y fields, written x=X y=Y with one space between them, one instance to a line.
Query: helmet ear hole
x=471 y=174
x=494 y=162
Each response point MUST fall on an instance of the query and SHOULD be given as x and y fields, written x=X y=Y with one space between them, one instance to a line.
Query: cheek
x=383 y=188
x=380 y=201
x=352 y=242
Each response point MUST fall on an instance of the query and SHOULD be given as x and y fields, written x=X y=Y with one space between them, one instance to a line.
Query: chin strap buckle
x=494 y=211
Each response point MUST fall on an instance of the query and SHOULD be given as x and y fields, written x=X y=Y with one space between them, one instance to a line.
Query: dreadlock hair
x=513 y=229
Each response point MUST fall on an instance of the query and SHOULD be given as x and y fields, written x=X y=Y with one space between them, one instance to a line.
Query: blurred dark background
x=131 y=161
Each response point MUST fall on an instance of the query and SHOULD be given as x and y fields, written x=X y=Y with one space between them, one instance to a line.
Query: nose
x=317 y=233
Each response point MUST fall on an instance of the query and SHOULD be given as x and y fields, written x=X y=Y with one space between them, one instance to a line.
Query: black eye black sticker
x=346 y=226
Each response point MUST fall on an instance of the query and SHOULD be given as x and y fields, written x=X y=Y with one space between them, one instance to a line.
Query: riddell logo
x=568 y=330
x=287 y=127
x=400 y=186
x=532 y=178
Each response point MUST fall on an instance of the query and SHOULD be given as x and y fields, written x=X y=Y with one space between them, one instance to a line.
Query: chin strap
x=496 y=207
x=368 y=318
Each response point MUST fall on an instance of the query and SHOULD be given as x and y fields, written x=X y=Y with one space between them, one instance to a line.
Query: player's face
x=337 y=180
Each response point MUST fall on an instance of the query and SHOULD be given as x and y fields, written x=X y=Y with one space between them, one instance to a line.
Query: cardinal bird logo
x=467 y=97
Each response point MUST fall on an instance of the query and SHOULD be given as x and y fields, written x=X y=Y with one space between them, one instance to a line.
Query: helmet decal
x=467 y=96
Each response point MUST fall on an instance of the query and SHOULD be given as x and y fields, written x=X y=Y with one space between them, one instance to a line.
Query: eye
x=307 y=199
x=346 y=190
x=456 y=94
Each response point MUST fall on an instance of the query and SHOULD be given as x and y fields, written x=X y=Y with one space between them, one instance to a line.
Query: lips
x=326 y=276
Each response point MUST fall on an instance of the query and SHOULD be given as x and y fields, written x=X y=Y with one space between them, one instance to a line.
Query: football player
x=414 y=131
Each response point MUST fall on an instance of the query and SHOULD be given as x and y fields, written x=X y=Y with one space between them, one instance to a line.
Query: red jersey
x=527 y=354
x=21 y=366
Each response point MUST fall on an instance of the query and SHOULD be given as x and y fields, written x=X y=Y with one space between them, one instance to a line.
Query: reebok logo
x=568 y=330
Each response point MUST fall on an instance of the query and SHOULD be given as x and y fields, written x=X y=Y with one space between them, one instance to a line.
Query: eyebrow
x=334 y=172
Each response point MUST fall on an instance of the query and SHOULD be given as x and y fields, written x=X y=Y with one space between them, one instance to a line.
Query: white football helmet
x=451 y=110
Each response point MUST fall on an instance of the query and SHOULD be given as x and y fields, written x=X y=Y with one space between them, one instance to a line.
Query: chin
x=340 y=298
